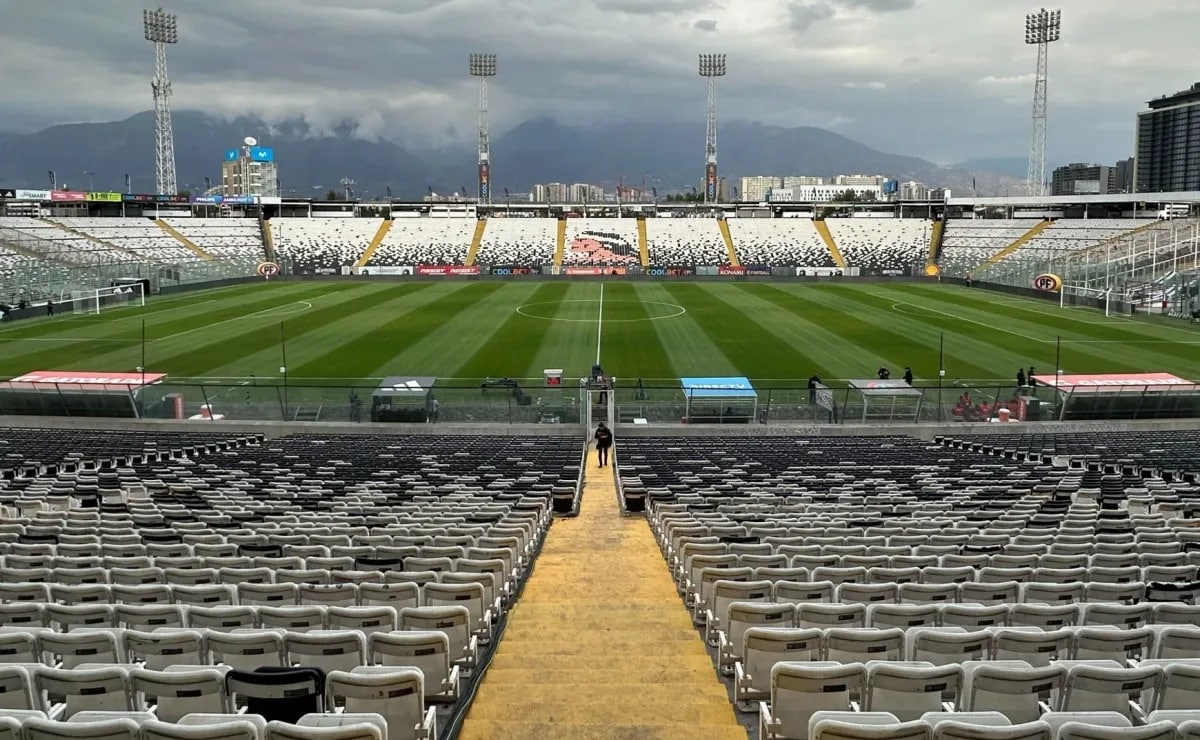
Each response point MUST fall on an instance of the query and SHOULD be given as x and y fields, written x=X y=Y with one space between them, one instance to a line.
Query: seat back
x=278 y=694
x=800 y=689
x=763 y=647
x=398 y=696
x=909 y=691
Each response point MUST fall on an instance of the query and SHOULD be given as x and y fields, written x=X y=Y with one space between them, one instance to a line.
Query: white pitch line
x=960 y=318
x=599 y=323
x=307 y=305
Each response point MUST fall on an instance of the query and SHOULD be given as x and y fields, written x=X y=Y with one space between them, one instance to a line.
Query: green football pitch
x=774 y=333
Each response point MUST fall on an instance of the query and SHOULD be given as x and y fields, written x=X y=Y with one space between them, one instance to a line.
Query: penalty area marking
x=677 y=311
x=292 y=308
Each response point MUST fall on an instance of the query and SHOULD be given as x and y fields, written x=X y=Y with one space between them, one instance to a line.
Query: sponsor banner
x=262 y=154
x=229 y=200
x=379 y=270
x=267 y=270
x=757 y=269
x=710 y=182
x=231 y=155
x=1118 y=380
x=594 y=271
x=7 y=193
x=1048 y=282
x=706 y=270
x=485 y=181
x=38 y=195
x=448 y=270
x=818 y=271
x=68 y=196
x=104 y=197
x=511 y=270
x=731 y=270
x=270 y=200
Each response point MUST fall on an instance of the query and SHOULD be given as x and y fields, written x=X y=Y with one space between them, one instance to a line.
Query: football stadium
x=897 y=468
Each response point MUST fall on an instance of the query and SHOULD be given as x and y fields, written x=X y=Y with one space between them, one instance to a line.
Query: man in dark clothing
x=1020 y=377
x=1029 y=375
x=49 y=307
x=604 y=440
x=884 y=373
x=908 y=375
x=813 y=382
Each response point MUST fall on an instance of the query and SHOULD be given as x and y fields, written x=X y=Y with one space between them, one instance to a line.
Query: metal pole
x=1041 y=29
x=1057 y=357
x=161 y=29
x=941 y=370
x=283 y=367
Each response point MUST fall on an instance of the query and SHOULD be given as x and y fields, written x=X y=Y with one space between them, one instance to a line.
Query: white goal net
x=99 y=300
x=1112 y=302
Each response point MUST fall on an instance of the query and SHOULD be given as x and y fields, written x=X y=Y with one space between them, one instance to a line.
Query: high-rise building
x=1168 y=144
x=856 y=181
x=250 y=170
x=913 y=190
x=540 y=193
x=756 y=188
x=1124 y=170
x=799 y=181
x=1084 y=179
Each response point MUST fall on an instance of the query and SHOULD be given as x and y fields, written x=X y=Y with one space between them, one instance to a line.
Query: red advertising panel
x=69 y=196
x=594 y=271
x=731 y=270
x=485 y=181
x=449 y=270
x=710 y=182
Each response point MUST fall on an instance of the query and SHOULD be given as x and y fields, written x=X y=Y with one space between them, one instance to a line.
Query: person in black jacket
x=604 y=440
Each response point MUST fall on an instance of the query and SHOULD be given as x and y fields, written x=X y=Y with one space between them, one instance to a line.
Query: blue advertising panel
x=262 y=154
x=231 y=155
x=718 y=387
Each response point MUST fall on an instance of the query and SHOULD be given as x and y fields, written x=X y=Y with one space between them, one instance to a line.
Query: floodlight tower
x=483 y=66
x=161 y=29
x=712 y=66
x=1041 y=29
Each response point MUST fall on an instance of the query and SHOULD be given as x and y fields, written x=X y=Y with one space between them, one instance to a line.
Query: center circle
x=539 y=310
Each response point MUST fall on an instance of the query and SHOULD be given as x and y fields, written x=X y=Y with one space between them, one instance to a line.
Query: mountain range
x=668 y=157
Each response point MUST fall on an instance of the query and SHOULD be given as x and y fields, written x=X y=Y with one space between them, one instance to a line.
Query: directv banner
x=104 y=197
x=511 y=270
x=668 y=271
x=447 y=270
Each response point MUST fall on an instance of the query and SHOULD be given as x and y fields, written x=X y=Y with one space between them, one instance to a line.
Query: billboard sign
x=757 y=269
x=231 y=155
x=38 y=195
x=485 y=178
x=7 y=193
x=731 y=270
x=104 y=197
x=511 y=270
x=68 y=196
x=710 y=181
x=262 y=154
x=448 y=270
x=230 y=200
x=593 y=271
x=1048 y=282
x=378 y=270
x=655 y=271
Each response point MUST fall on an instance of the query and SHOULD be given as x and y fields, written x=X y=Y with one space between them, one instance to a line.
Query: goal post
x=1111 y=302
x=100 y=300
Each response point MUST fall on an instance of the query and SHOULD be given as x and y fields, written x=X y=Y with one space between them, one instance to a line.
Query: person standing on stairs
x=604 y=440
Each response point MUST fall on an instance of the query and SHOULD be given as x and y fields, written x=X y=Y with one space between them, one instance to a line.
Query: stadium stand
x=178 y=577
x=605 y=241
x=524 y=242
x=224 y=238
x=684 y=241
x=426 y=241
x=969 y=242
x=779 y=242
x=65 y=246
x=889 y=575
x=1071 y=235
x=322 y=243
x=882 y=245
x=133 y=236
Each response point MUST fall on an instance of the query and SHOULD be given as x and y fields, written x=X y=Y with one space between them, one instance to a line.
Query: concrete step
x=590 y=705
x=491 y=729
x=638 y=691
x=642 y=663
x=675 y=672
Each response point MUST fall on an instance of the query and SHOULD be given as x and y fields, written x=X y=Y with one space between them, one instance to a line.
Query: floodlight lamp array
x=1043 y=26
x=160 y=27
x=712 y=65
x=482 y=65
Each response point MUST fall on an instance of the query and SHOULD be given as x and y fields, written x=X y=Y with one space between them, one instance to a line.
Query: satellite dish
x=250 y=141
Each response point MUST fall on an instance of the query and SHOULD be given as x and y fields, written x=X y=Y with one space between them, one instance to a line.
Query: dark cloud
x=398 y=69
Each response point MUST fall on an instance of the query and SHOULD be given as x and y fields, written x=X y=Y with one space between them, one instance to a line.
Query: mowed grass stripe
x=898 y=340
x=461 y=336
x=756 y=351
x=215 y=349
x=496 y=357
x=689 y=347
x=569 y=345
x=322 y=352
x=383 y=335
x=630 y=346
x=109 y=355
x=1036 y=341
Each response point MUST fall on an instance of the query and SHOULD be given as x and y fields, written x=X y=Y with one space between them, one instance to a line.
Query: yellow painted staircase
x=138 y=256
x=599 y=646
x=476 y=240
x=643 y=241
x=188 y=243
x=1020 y=242
x=827 y=237
x=560 y=243
x=380 y=234
x=733 y=258
x=935 y=243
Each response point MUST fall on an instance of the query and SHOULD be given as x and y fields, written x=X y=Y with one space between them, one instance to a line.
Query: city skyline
x=945 y=97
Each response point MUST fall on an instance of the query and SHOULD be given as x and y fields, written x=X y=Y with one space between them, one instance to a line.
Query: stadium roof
x=1190 y=196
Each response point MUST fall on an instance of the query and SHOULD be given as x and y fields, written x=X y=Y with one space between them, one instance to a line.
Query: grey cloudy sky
x=942 y=79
